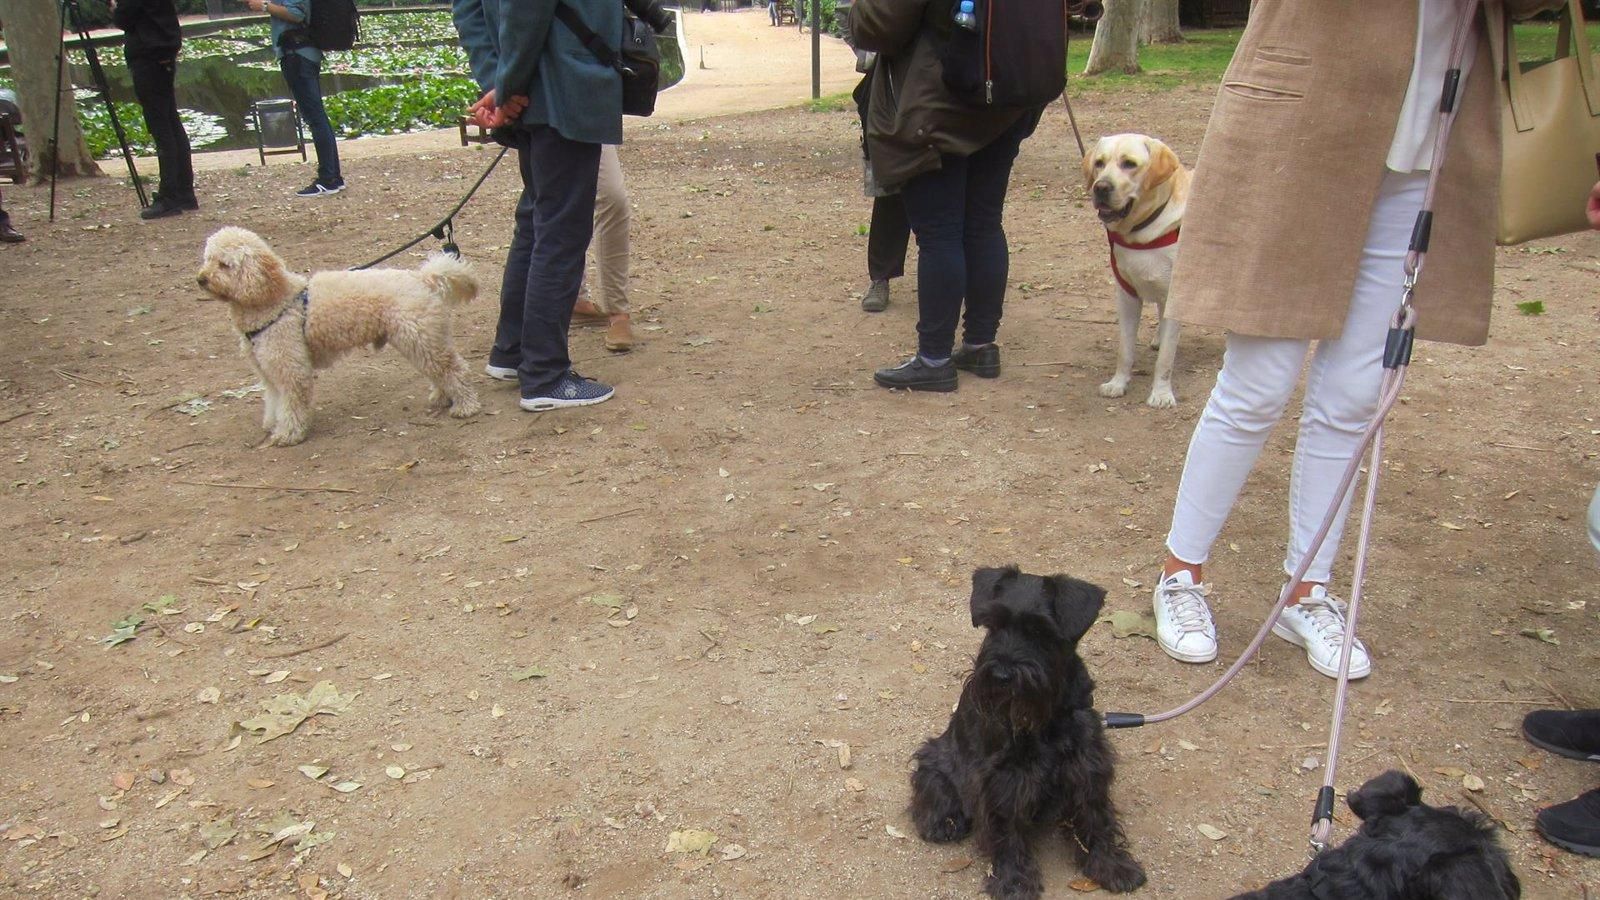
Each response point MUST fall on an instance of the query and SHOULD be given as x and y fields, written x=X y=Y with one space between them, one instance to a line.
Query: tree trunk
x=1158 y=23
x=33 y=37
x=1116 y=39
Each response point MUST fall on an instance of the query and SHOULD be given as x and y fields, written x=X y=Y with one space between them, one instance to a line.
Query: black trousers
x=544 y=267
x=887 y=238
x=155 y=87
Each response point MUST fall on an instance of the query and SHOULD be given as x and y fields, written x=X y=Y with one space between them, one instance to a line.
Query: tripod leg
x=54 y=147
x=105 y=96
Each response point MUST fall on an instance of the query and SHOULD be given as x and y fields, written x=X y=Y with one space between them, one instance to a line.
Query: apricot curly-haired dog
x=291 y=326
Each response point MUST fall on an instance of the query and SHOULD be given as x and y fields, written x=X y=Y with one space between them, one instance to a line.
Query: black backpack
x=639 y=62
x=1016 y=57
x=332 y=25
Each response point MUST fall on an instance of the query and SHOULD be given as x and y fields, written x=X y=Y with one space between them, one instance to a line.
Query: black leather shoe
x=1574 y=734
x=161 y=208
x=916 y=375
x=983 y=362
x=9 y=235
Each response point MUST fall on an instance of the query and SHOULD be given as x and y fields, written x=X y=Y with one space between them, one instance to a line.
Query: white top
x=1412 y=150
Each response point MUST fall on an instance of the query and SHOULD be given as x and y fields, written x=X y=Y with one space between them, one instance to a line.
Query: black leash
x=446 y=229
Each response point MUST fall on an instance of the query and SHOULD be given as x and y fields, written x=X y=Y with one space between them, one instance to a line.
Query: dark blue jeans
x=955 y=213
x=544 y=267
x=305 y=84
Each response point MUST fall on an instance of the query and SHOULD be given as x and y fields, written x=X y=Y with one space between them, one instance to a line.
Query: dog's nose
x=201 y=279
x=1001 y=675
x=1102 y=191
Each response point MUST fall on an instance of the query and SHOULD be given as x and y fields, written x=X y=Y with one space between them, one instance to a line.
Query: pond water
x=407 y=73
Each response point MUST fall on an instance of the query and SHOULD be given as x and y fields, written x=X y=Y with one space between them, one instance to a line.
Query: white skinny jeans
x=1258 y=375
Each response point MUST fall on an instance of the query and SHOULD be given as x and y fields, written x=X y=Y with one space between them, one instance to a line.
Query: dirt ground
x=748 y=554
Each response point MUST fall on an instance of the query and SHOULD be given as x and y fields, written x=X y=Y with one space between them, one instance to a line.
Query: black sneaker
x=320 y=189
x=1574 y=825
x=983 y=362
x=1574 y=734
x=572 y=390
x=876 y=299
x=916 y=375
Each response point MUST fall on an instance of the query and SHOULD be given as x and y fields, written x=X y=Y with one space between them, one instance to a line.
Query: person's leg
x=1258 y=375
x=887 y=238
x=564 y=176
x=612 y=221
x=935 y=204
x=305 y=84
x=983 y=232
x=506 y=356
x=154 y=86
x=8 y=235
x=1344 y=379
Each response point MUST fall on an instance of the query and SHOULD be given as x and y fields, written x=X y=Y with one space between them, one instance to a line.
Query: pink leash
x=1396 y=358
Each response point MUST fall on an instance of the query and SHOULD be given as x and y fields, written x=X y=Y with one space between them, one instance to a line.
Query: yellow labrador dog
x=1140 y=190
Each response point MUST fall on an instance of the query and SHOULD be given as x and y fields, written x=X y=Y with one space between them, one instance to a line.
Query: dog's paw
x=1161 y=397
x=1014 y=885
x=1117 y=872
x=465 y=408
x=946 y=830
x=286 y=438
x=1116 y=387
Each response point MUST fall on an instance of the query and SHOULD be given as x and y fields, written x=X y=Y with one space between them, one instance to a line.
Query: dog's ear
x=1389 y=794
x=986 y=585
x=1163 y=163
x=1088 y=162
x=1074 y=604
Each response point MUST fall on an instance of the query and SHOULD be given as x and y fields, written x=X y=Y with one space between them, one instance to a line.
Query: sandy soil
x=787 y=548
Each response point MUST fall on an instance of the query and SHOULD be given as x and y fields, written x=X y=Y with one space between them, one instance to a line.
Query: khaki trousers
x=611 y=222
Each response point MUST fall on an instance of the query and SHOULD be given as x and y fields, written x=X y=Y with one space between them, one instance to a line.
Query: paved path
x=734 y=62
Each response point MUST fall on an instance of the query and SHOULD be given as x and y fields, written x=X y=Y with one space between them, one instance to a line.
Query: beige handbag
x=1549 y=131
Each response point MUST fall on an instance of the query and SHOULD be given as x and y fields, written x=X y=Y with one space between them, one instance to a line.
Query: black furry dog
x=1405 y=850
x=1025 y=751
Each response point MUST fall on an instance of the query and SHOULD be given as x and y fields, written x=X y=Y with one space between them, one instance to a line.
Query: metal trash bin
x=278 y=128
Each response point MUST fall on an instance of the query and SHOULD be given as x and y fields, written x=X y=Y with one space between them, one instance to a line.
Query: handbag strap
x=1572 y=39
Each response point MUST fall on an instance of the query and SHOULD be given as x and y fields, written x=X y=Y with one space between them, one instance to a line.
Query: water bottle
x=965 y=16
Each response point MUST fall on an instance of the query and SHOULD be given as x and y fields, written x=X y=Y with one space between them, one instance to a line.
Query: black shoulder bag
x=639 y=63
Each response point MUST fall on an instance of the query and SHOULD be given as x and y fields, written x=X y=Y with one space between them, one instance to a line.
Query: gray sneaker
x=572 y=390
x=876 y=299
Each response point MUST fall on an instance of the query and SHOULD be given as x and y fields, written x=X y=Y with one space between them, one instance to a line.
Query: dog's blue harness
x=305 y=304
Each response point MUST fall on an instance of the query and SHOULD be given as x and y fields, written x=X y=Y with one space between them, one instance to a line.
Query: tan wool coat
x=1291 y=165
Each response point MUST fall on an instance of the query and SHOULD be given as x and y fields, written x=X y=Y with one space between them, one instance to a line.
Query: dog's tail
x=450 y=277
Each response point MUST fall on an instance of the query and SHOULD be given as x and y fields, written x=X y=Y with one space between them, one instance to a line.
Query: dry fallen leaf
x=731 y=852
x=1450 y=771
x=395 y=772
x=1084 y=885
x=122 y=781
x=285 y=712
x=690 y=841
x=313 y=772
x=952 y=866
x=208 y=695
x=895 y=832
x=1212 y=832
x=259 y=784
x=275 y=677
x=1472 y=783
x=181 y=777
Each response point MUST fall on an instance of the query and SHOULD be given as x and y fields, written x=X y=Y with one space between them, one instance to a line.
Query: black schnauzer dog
x=1025 y=751
x=1405 y=850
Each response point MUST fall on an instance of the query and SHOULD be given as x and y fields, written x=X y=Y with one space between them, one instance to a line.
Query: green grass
x=1200 y=59
x=841 y=102
x=1537 y=41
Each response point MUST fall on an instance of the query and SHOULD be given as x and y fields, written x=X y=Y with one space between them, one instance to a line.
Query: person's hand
x=256 y=5
x=510 y=111
x=482 y=113
x=1593 y=208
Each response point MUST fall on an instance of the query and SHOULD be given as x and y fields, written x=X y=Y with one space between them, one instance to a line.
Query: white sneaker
x=1317 y=624
x=500 y=373
x=1183 y=620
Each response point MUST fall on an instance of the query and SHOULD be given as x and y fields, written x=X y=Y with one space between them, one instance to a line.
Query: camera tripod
x=73 y=16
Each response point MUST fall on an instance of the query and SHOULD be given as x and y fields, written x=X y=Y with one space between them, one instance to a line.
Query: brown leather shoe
x=619 y=334
x=586 y=315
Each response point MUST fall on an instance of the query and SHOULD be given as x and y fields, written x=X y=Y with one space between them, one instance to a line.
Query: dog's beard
x=1020 y=704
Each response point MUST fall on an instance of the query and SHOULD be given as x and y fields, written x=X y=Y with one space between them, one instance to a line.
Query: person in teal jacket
x=556 y=103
